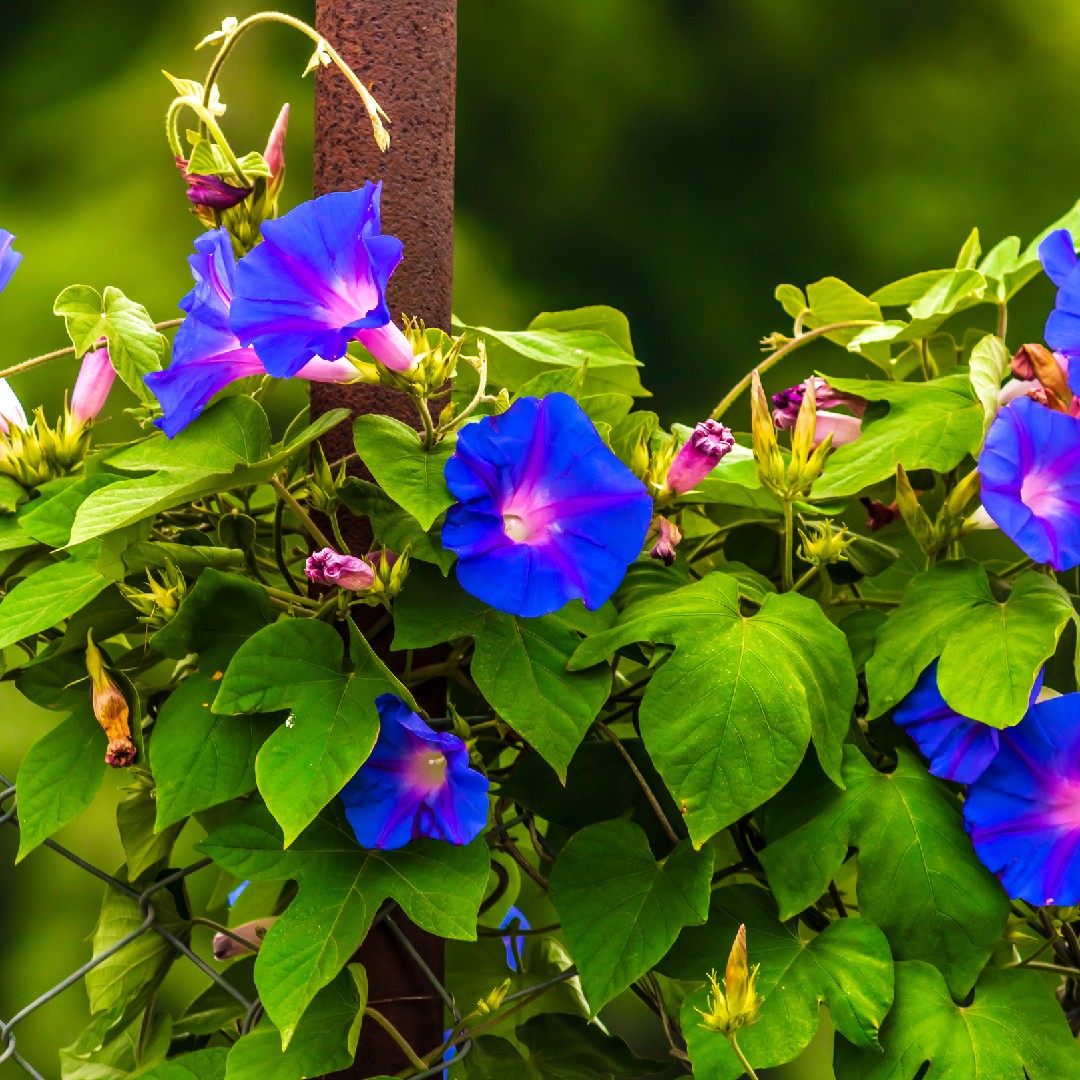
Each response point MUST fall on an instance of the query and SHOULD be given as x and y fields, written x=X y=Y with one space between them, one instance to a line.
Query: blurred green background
x=674 y=159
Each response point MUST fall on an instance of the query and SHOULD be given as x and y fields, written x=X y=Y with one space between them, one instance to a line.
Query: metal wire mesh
x=151 y=925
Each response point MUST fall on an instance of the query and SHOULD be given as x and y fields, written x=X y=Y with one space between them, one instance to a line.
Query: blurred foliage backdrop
x=675 y=159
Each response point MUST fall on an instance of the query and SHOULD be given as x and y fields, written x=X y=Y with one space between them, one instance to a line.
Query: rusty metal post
x=407 y=51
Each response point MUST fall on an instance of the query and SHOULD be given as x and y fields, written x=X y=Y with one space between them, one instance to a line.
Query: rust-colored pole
x=406 y=50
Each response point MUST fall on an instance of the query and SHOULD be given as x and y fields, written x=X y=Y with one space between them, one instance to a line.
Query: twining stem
x=787 y=569
x=26 y=365
x=279 y=549
x=742 y=1057
x=287 y=496
x=291 y=598
x=790 y=346
x=415 y=1060
x=374 y=110
x=1056 y=969
x=648 y=792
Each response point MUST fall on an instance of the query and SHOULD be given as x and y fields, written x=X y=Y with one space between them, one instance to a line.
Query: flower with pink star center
x=417 y=783
x=1023 y=812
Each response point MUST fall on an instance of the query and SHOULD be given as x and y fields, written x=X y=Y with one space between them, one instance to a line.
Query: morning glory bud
x=11 y=410
x=110 y=709
x=211 y=191
x=92 y=387
x=274 y=154
x=251 y=935
x=844 y=429
x=668 y=535
x=327 y=567
x=737 y=1004
x=708 y=444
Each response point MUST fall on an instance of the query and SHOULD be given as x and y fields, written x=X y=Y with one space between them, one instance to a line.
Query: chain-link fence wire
x=151 y=925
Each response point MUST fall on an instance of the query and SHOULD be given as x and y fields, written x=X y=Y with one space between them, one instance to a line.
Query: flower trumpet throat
x=735 y=1005
x=110 y=709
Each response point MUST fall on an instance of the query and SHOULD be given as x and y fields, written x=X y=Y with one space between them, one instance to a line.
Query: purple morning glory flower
x=318 y=281
x=206 y=354
x=1023 y=813
x=1030 y=470
x=546 y=513
x=1058 y=256
x=957 y=747
x=9 y=258
x=515 y=943
x=416 y=783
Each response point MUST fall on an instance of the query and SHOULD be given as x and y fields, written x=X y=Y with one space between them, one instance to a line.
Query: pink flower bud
x=329 y=371
x=668 y=538
x=11 y=410
x=709 y=442
x=843 y=428
x=327 y=567
x=211 y=191
x=787 y=403
x=274 y=155
x=226 y=947
x=92 y=386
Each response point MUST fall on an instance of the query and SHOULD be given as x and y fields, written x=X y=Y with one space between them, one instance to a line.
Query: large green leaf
x=728 y=717
x=439 y=886
x=919 y=879
x=599 y=317
x=47 y=597
x=123 y=984
x=931 y=425
x=518 y=664
x=990 y=651
x=1013 y=1029
x=98 y=1054
x=557 y=1047
x=48 y=519
x=516 y=356
x=144 y=846
x=620 y=909
x=194 y=1065
x=324 y=1042
x=135 y=346
x=409 y=474
x=392 y=526
x=201 y=758
x=299 y=665
x=59 y=776
x=987 y=369
x=847 y=966
x=227 y=447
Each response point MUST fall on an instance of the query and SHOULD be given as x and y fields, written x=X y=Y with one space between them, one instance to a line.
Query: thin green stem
x=374 y=110
x=342 y=545
x=642 y=782
x=291 y=598
x=279 y=549
x=415 y=1060
x=806 y=578
x=790 y=346
x=1002 y=320
x=787 y=570
x=742 y=1058
x=33 y=362
x=287 y=496
x=1038 y=965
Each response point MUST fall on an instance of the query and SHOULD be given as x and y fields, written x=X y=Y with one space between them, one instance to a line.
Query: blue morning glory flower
x=206 y=354
x=9 y=258
x=957 y=747
x=1030 y=470
x=514 y=920
x=546 y=513
x=318 y=281
x=1023 y=813
x=1058 y=256
x=416 y=783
